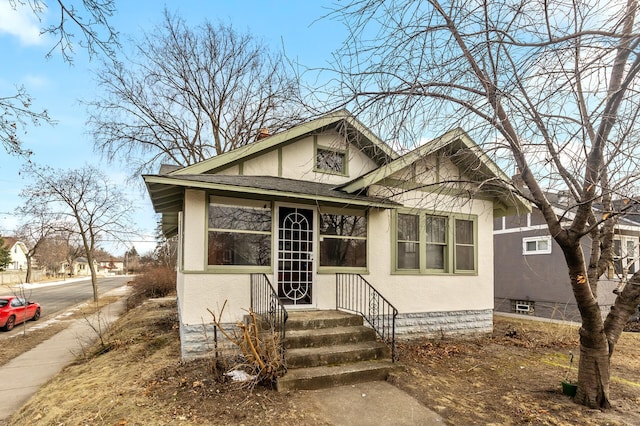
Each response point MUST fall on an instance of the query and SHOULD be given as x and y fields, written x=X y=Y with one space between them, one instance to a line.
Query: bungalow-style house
x=18 y=251
x=531 y=275
x=326 y=201
x=78 y=268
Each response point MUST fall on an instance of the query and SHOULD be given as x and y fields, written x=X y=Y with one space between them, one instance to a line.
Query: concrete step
x=336 y=354
x=332 y=348
x=328 y=336
x=307 y=320
x=328 y=376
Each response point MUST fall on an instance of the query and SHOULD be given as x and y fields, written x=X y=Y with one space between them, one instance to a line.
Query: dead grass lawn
x=510 y=378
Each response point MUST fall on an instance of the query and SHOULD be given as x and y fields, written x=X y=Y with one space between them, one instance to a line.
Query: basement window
x=525 y=307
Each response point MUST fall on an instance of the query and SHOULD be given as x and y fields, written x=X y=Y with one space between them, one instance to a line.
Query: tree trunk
x=593 y=371
x=94 y=278
x=594 y=366
x=27 y=279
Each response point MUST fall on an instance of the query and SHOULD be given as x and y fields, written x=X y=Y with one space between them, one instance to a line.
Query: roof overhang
x=492 y=182
x=167 y=193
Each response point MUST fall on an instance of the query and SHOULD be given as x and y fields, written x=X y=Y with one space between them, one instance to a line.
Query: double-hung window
x=343 y=239
x=436 y=242
x=624 y=254
x=465 y=241
x=428 y=243
x=239 y=233
x=408 y=241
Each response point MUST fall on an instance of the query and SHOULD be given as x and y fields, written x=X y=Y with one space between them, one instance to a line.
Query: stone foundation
x=198 y=341
x=450 y=324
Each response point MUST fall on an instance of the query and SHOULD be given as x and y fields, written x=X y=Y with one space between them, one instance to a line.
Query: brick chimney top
x=263 y=133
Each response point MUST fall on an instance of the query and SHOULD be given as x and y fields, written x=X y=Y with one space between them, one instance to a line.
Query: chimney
x=517 y=180
x=263 y=133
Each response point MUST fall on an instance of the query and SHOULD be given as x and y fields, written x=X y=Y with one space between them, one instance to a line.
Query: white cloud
x=35 y=81
x=20 y=22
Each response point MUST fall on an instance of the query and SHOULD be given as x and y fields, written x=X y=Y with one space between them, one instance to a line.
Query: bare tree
x=93 y=207
x=187 y=94
x=550 y=86
x=15 y=114
x=38 y=225
x=166 y=250
x=91 y=19
x=52 y=253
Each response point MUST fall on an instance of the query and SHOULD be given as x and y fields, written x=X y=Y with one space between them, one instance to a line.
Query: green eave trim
x=406 y=160
x=271 y=142
x=242 y=191
x=505 y=201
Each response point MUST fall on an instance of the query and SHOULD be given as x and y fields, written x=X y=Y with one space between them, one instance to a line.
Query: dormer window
x=331 y=161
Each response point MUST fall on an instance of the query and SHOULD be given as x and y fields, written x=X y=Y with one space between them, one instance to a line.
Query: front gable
x=301 y=152
x=452 y=165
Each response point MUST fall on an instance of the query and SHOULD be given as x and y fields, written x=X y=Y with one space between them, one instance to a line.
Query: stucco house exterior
x=531 y=275
x=18 y=251
x=328 y=198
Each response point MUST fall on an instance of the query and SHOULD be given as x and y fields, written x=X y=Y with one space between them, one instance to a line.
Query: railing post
x=265 y=302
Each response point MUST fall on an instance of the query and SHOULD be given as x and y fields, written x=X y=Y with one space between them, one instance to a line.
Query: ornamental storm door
x=295 y=256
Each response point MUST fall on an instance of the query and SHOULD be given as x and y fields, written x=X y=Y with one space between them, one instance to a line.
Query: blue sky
x=58 y=86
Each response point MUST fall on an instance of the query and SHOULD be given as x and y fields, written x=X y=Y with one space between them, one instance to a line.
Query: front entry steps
x=332 y=348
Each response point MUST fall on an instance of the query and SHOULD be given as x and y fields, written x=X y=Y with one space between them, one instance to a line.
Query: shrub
x=155 y=281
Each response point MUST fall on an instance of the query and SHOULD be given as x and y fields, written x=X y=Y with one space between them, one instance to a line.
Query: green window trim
x=237 y=236
x=457 y=250
x=329 y=159
x=356 y=235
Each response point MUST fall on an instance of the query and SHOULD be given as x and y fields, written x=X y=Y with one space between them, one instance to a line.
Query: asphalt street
x=59 y=296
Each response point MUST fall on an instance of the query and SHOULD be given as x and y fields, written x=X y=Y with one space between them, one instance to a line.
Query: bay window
x=428 y=243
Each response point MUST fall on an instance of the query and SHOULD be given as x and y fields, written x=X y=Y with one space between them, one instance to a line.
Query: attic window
x=328 y=160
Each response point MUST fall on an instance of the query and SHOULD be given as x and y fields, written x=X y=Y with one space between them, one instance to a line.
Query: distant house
x=18 y=251
x=531 y=276
x=111 y=266
x=78 y=268
x=327 y=201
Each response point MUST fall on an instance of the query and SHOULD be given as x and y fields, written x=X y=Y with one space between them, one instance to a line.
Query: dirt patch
x=512 y=377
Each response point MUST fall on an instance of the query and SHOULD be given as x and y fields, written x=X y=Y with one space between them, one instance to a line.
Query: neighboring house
x=18 y=251
x=328 y=197
x=531 y=276
x=78 y=268
x=113 y=266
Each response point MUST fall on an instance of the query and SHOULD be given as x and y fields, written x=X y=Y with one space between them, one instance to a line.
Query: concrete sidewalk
x=366 y=404
x=23 y=376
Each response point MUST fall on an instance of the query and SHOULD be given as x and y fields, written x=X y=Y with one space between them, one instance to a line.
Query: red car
x=14 y=310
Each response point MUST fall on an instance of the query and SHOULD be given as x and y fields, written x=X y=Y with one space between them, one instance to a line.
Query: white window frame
x=630 y=260
x=527 y=252
x=524 y=307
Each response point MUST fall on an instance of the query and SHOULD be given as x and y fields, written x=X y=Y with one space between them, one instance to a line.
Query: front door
x=295 y=256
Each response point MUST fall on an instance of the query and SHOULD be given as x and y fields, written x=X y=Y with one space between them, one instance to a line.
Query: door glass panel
x=295 y=255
